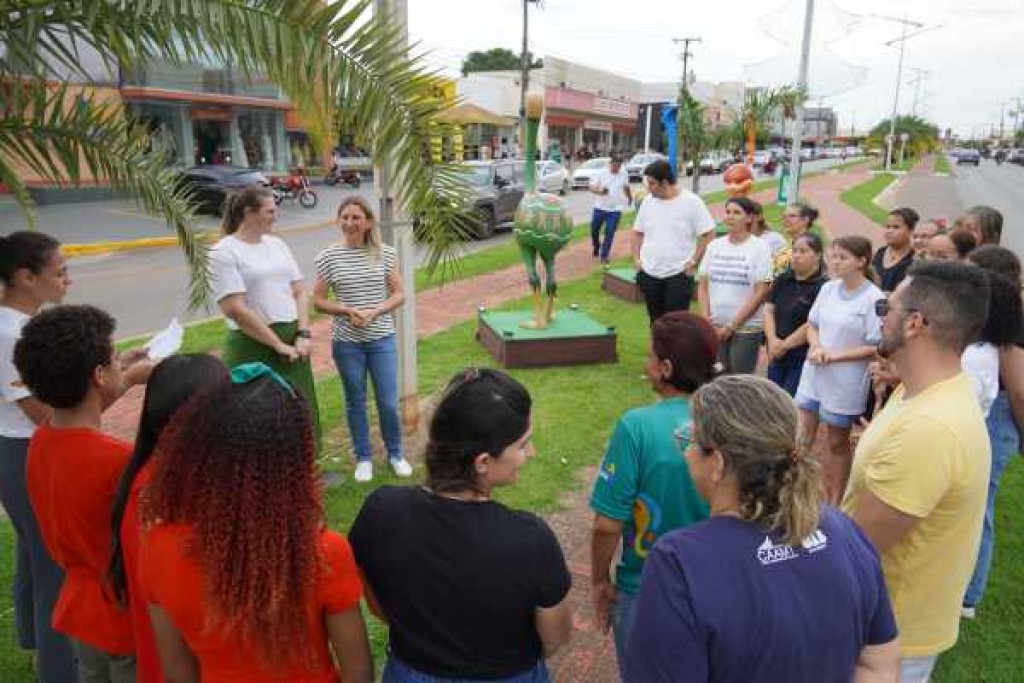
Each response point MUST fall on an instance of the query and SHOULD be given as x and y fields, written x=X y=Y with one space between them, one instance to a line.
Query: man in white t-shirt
x=673 y=228
x=613 y=196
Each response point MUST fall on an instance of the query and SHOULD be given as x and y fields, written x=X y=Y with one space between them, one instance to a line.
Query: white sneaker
x=967 y=612
x=401 y=467
x=364 y=471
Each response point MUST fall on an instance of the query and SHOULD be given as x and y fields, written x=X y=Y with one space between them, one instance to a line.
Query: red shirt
x=72 y=476
x=147 y=659
x=174 y=581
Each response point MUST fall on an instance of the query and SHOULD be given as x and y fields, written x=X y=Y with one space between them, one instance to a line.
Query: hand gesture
x=287 y=352
x=303 y=347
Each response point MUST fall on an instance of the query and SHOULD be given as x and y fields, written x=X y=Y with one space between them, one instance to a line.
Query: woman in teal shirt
x=644 y=489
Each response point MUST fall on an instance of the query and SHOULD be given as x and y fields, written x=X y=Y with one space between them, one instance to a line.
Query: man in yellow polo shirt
x=920 y=474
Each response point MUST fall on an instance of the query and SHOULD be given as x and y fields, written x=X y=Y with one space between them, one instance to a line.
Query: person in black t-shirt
x=892 y=261
x=786 y=310
x=470 y=589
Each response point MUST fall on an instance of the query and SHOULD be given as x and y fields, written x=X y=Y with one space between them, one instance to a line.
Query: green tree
x=924 y=136
x=497 y=59
x=329 y=60
x=696 y=137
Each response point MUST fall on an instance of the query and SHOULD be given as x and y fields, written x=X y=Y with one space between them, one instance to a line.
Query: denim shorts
x=833 y=419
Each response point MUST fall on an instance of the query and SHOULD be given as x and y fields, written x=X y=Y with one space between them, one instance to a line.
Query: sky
x=971 y=49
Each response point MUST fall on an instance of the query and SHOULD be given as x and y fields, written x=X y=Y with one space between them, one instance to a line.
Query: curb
x=96 y=248
x=883 y=197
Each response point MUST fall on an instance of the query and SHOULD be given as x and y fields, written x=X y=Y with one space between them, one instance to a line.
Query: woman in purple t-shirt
x=774 y=586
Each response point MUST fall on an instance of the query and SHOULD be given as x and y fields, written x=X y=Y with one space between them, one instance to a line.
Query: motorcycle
x=347 y=176
x=294 y=186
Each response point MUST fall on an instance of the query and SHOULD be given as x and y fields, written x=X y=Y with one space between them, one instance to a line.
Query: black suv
x=497 y=188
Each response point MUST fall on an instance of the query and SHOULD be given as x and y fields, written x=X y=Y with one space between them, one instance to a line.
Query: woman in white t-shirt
x=34 y=273
x=262 y=294
x=774 y=241
x=732 y=283
x=842 y=335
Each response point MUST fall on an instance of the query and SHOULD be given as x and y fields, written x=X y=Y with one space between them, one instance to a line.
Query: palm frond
x=60 y=134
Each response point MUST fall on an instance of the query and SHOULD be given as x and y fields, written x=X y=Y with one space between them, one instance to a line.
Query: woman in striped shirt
x=362 y=275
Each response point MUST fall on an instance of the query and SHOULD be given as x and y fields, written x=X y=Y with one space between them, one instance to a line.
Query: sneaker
x=364 y=471
x=401 y=467
x=967 y=612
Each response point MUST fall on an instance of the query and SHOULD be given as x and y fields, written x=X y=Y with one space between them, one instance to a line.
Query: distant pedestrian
x=842 y=335
x=892 y=261
x=920 y=476
x=67 y=358
x=787 y=308
x=644 y=489
x=673 y=228
x=470 y=590
x=362 y=274
x=34 y=273
x=243 y=580
x=775 y=586
x=613 y=197
x=175 y=380
x=732 y=283
x=262 y=293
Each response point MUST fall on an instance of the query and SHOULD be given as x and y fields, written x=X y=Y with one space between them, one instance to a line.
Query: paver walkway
x=590 y=657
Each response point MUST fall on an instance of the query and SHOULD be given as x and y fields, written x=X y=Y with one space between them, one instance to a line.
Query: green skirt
x=240 y=348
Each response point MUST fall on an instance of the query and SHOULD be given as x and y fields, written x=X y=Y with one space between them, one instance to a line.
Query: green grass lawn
x=942 y=163
x=575 y=410
x=862 y=197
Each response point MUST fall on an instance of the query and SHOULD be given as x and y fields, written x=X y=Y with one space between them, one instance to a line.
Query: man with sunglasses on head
x=920 y=474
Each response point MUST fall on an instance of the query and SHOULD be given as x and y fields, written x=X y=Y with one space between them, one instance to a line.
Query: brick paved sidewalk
x=590 y=657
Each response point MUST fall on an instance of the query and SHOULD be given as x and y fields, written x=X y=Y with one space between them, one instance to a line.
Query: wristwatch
x=304 y=334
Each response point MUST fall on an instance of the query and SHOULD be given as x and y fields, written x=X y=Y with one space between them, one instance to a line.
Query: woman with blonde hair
x=262 y=293
x=358 y=283
x=739 y=597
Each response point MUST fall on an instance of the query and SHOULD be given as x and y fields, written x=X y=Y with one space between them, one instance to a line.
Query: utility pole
x=397 y=230
x=922 y=75
x=793 y=191
x=902 y=40
x=686 y=89
x=524 y=74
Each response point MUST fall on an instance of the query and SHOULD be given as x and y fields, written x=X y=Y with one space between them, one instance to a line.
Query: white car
x=582 y=176
x=636 y=165
x=552 y=177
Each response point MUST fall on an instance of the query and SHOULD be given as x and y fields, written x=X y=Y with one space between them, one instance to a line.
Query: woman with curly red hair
x=243 y=580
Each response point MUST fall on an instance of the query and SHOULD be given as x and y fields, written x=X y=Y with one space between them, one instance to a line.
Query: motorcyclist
x=1000 y=155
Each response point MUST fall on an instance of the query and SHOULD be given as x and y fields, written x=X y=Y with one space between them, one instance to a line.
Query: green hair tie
x=247 y=372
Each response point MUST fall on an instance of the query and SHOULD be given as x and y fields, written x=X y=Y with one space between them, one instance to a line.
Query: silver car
x=636 y=165
x=582 y=176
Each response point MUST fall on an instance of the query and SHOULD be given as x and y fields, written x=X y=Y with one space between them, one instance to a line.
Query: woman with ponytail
x=262 y=293
x=775 y=586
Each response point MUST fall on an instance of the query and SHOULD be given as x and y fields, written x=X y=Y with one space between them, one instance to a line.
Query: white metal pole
x=805 y=58
x=896 y=99
x=397 y=230
x=647 y=130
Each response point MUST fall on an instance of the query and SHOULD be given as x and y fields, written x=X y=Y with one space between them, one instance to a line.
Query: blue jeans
x=1005 y=439
x=610 y=219
x=397 y=671
x=786 y=371
x=623 y=614
x=37 y=578
x=380 y=358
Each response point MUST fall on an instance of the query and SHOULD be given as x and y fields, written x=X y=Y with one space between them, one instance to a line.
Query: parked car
x=1016 y=156
x=762 y=158
x=582 y=176
x=211 y=184
x=497 y=188
x=636 y=165
x=715 y=162
x=969 y=156
x=552 y=177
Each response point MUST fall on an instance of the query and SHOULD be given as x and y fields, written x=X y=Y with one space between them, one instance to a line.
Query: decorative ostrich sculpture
x=542 y=226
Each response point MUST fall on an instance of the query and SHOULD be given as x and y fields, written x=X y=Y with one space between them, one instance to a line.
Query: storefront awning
x=466 y=114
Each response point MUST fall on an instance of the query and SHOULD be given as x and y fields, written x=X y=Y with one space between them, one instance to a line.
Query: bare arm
x=884 y=525
x=322 y=301
x=252 y=323
x=879 y=663
x=798 y=338
x=749 y=306
x=554 y=625
x=179 y=664
x=636 y=241
x=35 y=410
x=769 y=322
x=604 y=541
x=703 y=298
x=698 y=254
x=396 y=293
x=347 y=633
x=1011 y=371
x=856 y=353
x=371 y=599
x=301 y=303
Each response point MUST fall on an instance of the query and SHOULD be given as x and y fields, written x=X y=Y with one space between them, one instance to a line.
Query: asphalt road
x=1001 y=187
x=144 y=289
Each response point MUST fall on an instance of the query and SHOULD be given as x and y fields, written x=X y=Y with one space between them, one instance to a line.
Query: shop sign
x=604 y=126
x=603 y=105
x=211 y=113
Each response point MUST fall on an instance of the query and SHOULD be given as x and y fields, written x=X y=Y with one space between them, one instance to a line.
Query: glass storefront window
x=168 y=126
x=260 y=141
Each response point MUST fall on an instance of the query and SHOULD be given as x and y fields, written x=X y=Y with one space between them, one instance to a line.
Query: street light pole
x=686 y=89
x=793 y=192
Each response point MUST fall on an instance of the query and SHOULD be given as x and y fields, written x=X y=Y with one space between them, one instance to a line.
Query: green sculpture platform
x=572 y=338
x=621 y=283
